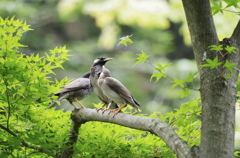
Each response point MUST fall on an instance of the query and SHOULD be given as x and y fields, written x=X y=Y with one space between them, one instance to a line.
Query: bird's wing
x=118 y=87
x=80 y=83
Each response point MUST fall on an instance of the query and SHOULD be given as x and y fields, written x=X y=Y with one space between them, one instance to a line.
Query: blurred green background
x=92 y=28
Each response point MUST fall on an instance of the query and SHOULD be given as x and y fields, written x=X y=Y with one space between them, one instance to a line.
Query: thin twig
x=230 y=11
x=8 y=102
x=185 y=85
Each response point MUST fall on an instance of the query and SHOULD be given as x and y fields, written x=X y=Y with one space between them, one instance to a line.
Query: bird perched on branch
x=76 y=90
x=114 y=90
x=95 y=71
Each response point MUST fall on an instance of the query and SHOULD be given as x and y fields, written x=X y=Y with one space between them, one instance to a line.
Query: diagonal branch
x=8 y=130
x=236 y=42
x=152 y=125
x=236 y=32
x=26 y=144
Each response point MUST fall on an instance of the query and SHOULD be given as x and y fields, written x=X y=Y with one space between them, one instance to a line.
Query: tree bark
x=152 y=125
x=72 y=139
x=217 y=93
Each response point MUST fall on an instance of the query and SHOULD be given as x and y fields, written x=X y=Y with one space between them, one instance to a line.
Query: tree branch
x=152 y=125
x=201 y=26
x=235 y=41
x=236 y=32
x=26 y=144
x=72 y=139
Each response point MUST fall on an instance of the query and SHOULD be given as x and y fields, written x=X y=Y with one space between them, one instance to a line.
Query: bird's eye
x=101 y=58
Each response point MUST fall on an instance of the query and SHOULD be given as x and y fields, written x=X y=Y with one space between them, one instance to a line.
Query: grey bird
x=76 y=90
x=116 y=91
x=96 y=69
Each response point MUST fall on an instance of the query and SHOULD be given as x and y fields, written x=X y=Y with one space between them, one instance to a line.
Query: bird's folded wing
x=118 y=87
x=80 y=83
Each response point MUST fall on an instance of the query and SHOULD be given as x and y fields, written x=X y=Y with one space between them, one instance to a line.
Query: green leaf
x=178 y=82
x=228 y=76
x=233 y=3
x=217 y=7
x=191 y=76
x=230 y=66
x=215 y=47
x=125 y=40
x=185 y=92
x=158 y=76
x=141 y=58
x=212 y=63
x=160 y=68
x=237 y=153
x=230 y=49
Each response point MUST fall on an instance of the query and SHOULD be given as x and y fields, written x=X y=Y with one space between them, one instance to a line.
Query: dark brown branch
x=152 y=125
x=26 y=144
x=73 y=137
x=8 y=130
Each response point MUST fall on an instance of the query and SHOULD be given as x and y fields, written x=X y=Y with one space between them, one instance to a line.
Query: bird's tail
x=52 y=103
x=60 y=97
x=137 y=105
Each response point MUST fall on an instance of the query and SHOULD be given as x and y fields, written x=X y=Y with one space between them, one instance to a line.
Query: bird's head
x=101 y=61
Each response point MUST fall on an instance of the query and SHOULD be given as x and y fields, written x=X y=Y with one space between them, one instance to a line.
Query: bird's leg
x=101 y=108
x=109 y=104
x=117 y=110
x=78 y=103
x=73 y=105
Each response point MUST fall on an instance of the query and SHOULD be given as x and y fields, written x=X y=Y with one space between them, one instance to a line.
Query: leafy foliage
x=25 y=89
x=125 y=40
x=159 y=72
x=237 y=153
x=30 y=129
x=109 y=140
x=223 y=4
x=223 y=51
x=217 y=7
x=186 y=121
x=217 y=48
x=141 y=58
x=212 y=63
x=230 y=66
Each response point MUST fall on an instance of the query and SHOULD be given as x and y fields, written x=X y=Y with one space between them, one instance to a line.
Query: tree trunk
x=217 y=93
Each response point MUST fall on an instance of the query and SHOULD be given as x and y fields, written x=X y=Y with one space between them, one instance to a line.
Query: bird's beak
x=107 y=59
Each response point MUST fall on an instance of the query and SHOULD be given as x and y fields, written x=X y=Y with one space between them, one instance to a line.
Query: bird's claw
x=78 y=108
x=99 y=109
x=104 y=110
x=116 y=111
